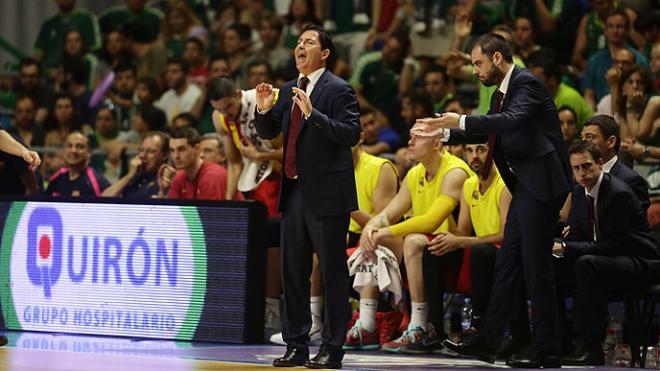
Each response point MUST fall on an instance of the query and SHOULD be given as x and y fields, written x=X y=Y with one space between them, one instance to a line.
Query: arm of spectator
x=590 y=98
x=458 y=65
x=407 y=78
x=116 y=189
x=547 y=21
x=462 y=30
x=116 y=99
x=640 y=151
x=637 y=38
x=578 y=58
x=198 y=107
x=375 y=20
x=165 y=176
x=41 y=115
x=645 y=124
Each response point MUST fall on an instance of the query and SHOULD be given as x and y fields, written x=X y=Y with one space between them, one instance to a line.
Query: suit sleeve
x=342 y=124
x=458 y=136
x=526 y=98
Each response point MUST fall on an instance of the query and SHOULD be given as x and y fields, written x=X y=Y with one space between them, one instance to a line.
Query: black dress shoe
x=512 y=348
x=535 y=360
x=327 y=357
x=468 y=346
x=585 y=356
x=3 y=340
x=292 y=358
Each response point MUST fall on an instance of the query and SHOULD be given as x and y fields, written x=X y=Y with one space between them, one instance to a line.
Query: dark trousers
x=435 y=273
x=303 y=233
x=525 y=259
x=600 y=278
x=482 y=276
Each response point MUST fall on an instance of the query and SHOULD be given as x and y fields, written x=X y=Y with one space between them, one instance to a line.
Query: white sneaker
x=315 y=337
x=272 y=323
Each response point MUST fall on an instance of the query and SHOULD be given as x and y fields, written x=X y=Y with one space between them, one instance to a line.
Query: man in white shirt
x=181 y=96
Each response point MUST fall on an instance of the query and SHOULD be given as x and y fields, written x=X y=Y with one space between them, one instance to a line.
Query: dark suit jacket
x=323 y=147
x=530 y=151
x=622 y=225
x=634 y=180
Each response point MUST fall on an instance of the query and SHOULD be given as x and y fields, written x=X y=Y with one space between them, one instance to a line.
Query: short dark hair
x=620 y=12
x=273 y=21
x=220 y=87
x=491 y=43
x=164 y=139
x=585 y=146
x=154 y=117
x=218 y=57
x=419 y=98
x=191 y=135
x=29 y=61
x=192 y=121
x=185 y=67
x=260 y=62
x=569 y=109
x=124 y=66
x=151 y=84
x=195 y=40
x=244 y=31
x=647 y=82
x=76 y=67
x=607 y=126
x=437 y=68
x=366 y=110
x=326 y=41
x=22 y=97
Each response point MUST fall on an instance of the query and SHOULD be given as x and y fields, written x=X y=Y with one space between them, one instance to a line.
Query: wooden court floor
x=17 y=359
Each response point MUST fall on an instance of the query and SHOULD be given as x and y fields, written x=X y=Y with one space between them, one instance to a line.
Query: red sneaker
x=358 y=338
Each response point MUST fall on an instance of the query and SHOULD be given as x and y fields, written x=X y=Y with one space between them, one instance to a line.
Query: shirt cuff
x=445 y=135
x=461 y=122
x=264 y=111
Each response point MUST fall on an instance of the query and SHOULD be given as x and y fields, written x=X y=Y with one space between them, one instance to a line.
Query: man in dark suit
x=603 y=132
x=613 y=248
x=318 y=115
x=524 y=133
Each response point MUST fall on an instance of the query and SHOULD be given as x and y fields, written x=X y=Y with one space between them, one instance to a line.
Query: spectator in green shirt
x=548 y=70
x=132 y=10
x=50 y=41
x=439 y=86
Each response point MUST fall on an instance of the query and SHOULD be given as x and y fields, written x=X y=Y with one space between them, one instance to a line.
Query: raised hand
x=265 y=96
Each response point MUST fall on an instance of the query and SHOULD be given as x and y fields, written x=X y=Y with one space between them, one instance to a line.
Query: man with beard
x=141 y=181
x=181 y=96
x=526 y=143
x=77 y=178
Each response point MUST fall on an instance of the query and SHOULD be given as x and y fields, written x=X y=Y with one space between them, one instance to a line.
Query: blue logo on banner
x=44 y=249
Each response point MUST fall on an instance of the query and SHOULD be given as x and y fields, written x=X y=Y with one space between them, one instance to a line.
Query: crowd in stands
x=146 y=101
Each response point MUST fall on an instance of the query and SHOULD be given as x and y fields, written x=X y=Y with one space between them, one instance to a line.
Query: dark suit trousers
x=525 y=259
x=303 y=233
x=482 y=276
x=601 y=278
x=435 y=269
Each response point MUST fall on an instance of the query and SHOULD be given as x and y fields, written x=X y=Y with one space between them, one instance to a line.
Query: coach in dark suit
x=318 y=114
x=529 y=151
x=613 y=247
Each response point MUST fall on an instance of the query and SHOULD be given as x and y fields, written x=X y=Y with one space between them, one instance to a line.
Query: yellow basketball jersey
x=367 y=172
x=484 y=208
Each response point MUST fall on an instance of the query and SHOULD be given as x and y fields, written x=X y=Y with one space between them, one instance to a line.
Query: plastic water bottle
x=609 y=346
x=466 y=315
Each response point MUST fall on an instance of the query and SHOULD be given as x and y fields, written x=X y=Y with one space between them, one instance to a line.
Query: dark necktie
x=294 y=128
x=591 y=203
x=492 y=138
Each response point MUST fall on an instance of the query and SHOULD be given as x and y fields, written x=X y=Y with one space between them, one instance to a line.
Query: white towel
x=384 y=272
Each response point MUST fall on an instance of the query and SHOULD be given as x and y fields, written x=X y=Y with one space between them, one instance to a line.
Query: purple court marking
x=249 y=354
